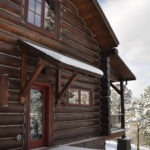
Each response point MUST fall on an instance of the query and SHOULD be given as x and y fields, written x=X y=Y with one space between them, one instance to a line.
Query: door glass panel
x=36 y=114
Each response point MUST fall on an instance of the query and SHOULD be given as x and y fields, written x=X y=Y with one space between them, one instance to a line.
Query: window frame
x=79 y=99
x=42 y=18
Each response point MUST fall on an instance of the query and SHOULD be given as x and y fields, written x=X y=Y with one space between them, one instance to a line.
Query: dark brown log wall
x=74 y=40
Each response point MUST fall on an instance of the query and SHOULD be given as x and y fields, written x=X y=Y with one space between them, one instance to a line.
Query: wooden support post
x=105 y=97
x=58 y=85
x=23 y=74
x=72 y=79
x=3 y=90
x=33 y=77
x=105 y=91
x=138 y=137
x=122 y=106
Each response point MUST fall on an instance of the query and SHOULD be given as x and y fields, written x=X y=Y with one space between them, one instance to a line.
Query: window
x=43 y=14
x=78 y=97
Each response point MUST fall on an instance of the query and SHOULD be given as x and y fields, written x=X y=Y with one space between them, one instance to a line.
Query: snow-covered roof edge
x=66 y=60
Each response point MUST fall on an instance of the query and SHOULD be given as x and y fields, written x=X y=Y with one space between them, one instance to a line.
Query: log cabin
x=58 y=60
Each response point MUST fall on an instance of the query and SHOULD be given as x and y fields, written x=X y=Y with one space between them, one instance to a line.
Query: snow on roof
x=66 y=60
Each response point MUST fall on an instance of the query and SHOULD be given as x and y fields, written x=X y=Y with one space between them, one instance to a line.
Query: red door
x=37 y=116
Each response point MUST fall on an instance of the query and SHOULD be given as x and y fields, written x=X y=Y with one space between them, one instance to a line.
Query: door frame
x=49 y=102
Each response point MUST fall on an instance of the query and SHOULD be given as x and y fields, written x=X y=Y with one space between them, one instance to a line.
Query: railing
x=116 y=123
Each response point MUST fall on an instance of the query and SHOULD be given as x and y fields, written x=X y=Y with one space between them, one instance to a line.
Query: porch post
x=124 y=143
x=122 y=106
x=105 y=91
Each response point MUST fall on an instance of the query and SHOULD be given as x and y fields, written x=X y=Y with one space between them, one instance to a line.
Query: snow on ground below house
x=71 y=148
x=110 y=145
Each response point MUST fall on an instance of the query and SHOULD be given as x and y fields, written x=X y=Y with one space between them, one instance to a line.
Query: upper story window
x=43 y=14
x=78 y=97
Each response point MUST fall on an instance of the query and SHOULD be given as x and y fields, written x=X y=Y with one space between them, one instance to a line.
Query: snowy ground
x=110 y=145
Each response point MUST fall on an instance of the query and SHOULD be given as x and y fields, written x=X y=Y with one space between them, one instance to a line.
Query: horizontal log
x=11 y=6
x=76 y=138
x=75 y=124
x=75 y=116
x=10 y=131
x=69 y=109
x=13 y=96
x=81 y=41
x=9 y=27
x=72 y=15
x=77 y=84
x=6 y=144
x=12 y=108
x=19 y=2
x=74 y=23
x=9 y=49
x=6 y=119
x=80 y=77
x=75 y=132
x=13 y=84
x=65 y=26
x=70 y=6
x=9 y=61
x=8 y=38
x=18 y=21
x=12 y=72
x=82 y=50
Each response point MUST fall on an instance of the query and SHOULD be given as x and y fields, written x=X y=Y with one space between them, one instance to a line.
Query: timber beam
x=58 y=84
x=109 y=52
x=68 y=84
x=115 y=88
x=33 y=77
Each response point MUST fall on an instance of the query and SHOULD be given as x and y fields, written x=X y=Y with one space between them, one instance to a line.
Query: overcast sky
x=130 y=20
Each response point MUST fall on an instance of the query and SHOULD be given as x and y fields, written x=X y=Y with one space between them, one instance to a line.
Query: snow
x=111 y=145
x=66 y=60
x=71 y=148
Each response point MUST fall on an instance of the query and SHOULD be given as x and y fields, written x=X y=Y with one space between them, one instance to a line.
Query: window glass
x=73 y=96
x=31 y=17
x=85 y=97
x=36 y=114
x=38 y=7
x=38 y=20
x=49 y=18
x=32 y=5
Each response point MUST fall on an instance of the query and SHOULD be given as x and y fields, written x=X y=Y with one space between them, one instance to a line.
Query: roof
x=59 y=58
x=119 y=70
x=97 y=23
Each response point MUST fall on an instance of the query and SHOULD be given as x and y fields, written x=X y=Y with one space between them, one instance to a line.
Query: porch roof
x=57 y=58
x=119 y=70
